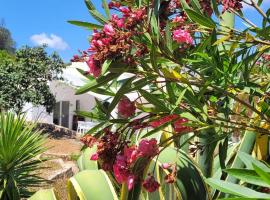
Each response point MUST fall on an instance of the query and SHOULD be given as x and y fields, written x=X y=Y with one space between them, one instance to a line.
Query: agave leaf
x=189 y=182
x=84 y=162
x=91 y=184
x=44 y=194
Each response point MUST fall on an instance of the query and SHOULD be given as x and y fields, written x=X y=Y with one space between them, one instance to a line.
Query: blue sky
x=35 y=21
x=31 y=21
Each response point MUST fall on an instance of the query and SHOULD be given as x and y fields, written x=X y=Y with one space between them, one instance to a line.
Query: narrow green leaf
x=120 y=93
x=106 y=8
x=179 y=99
x=169 y=38
x=87 y=25
x=215 y=7
x=103 y=91
x=235 y=189
x=184 y=4
x=153 y=59
x=156 y=7
x=154 y=100
x=160 y=128
x=96 y=83
x=105 y=66
x=90 y=115
x=247 y=175
x=262 y=173
x=89 y=5
x=99 y=17
x=249 y=161
x=85 y=74
x=141 y=83
x=200 y=19
x=96 y=128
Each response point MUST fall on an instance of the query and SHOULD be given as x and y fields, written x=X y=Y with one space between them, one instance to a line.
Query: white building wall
x=65 y=92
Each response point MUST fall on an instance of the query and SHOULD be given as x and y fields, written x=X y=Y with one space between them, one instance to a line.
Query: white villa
x=67 y=102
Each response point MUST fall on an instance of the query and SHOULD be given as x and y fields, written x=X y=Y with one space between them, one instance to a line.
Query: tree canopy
x=24 y=78
x=6 y=41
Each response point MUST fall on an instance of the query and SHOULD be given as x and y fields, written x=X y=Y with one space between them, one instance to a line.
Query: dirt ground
x=66 y=149
x=63 y=146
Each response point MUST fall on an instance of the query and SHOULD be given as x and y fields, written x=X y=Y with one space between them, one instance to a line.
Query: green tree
x=25 y=77
x=6 y=41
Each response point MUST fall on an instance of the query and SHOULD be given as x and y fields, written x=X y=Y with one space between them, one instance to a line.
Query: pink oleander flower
x=113 y=4
x=182 y=36
x=94 y=157
x=166 y=165
x=179 y=19
x=126 y=11
x=126 y=108
x=179 y=127
x=163 y=120
x=120 y=169
x=131 y=154
x=138 y=14
x=109 y=30
x=94 y=67
x=148 y=148
x=120 y=22
x=231 y=4
x=130 y=181
x=150 y=184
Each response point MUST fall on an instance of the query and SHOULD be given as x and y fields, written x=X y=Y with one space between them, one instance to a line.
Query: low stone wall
x=56 y=131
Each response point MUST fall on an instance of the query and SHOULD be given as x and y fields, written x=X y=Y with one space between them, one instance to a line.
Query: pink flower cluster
x=119 y=158
x=125 y=161
x=178 y=123
x=126 y=108
x=231 y=4
x=182 y=36
x=114 y=41
x=150 y=184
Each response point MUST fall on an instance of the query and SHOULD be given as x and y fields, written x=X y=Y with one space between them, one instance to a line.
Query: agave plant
x=255 y=180
x=20 y=146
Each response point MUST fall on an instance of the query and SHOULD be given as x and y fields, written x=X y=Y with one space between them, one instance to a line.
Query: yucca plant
x=20 y=147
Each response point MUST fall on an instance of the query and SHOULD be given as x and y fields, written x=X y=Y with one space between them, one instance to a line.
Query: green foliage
x=24 y=78
x=20 y=147
x=258 y=174
x=6 y=41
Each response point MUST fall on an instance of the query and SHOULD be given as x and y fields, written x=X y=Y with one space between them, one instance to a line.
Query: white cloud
x=53 y=41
